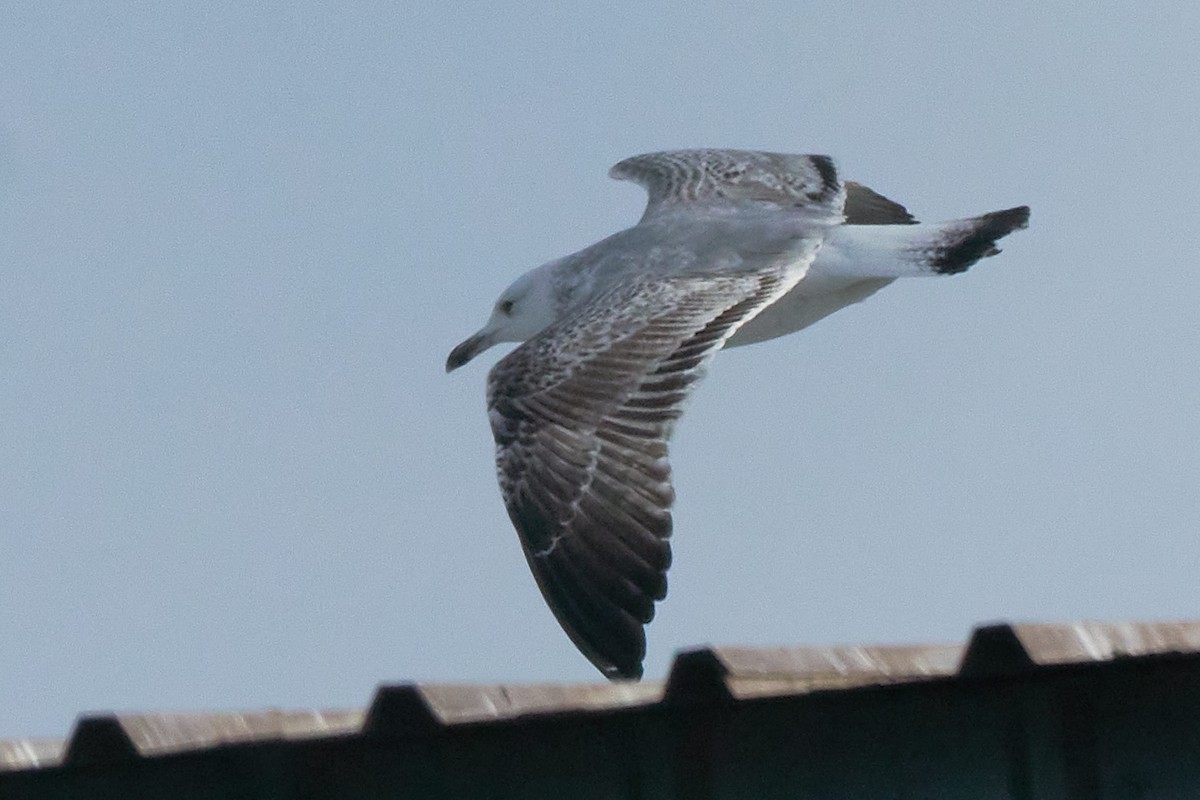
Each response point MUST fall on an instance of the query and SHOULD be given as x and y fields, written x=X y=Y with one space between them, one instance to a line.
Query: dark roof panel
x=722 y=674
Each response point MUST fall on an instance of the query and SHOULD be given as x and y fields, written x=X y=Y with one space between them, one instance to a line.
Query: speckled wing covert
x=581 y=415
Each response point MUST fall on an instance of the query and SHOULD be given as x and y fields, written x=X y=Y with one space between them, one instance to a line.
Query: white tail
x=897 y=251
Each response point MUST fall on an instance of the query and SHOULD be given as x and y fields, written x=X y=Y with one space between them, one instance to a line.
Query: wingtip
x=827 y=170
x=628 y=673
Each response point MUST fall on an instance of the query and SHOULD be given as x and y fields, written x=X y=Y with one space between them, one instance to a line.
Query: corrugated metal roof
x=727 y=673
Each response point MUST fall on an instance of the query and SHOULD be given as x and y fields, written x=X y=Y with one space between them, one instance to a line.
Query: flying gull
x=734 y=247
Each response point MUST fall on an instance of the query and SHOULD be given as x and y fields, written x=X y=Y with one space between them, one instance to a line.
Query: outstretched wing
x=581 y=415
x=745 y=178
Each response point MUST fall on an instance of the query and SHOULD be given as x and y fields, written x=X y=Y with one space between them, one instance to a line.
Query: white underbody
x=854 y=262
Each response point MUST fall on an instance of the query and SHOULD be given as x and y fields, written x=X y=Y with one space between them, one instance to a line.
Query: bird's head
x=522 y=311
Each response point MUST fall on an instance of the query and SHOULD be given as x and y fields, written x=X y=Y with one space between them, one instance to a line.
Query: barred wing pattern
x=803 y=184
x=581 y=415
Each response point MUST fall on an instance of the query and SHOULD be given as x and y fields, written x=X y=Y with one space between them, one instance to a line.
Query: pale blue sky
x=237 y=244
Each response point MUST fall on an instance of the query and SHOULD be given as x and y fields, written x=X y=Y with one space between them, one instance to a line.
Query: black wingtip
x=977 y=239
x=629 y=672
x=829 y=175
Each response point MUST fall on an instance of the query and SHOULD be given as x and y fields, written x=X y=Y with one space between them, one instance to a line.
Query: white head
x=523 y=309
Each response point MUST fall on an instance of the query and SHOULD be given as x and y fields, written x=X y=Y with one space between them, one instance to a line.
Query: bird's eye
x=506 y=307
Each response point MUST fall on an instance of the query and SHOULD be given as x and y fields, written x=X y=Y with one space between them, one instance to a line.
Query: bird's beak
x=468 y=350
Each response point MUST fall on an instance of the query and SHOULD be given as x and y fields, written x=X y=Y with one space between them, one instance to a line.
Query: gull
x=734 y=247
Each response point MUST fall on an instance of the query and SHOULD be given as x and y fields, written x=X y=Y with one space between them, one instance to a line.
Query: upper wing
x=735 y=178
x=581 y=415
